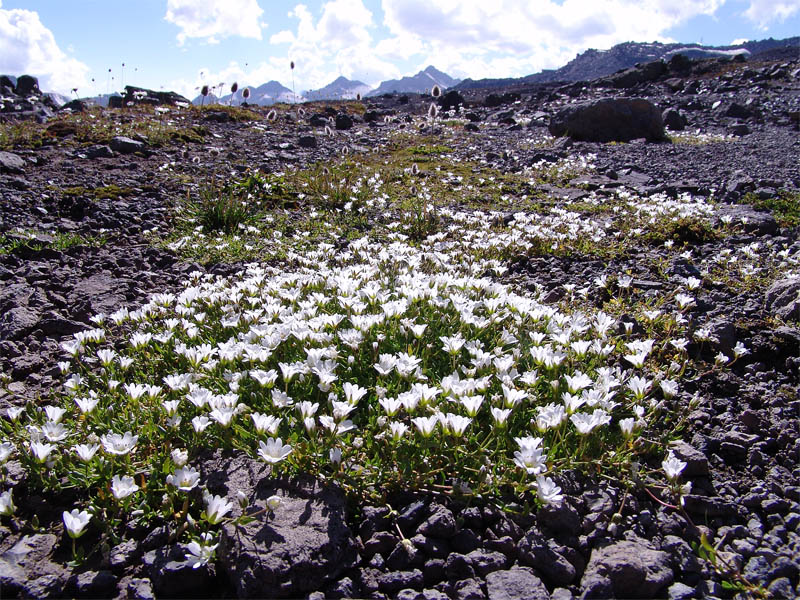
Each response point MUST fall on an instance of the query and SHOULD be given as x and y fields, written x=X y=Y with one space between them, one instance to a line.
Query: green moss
x=785 y=207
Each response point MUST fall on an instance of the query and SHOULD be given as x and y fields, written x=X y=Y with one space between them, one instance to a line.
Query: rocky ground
x=738 y=144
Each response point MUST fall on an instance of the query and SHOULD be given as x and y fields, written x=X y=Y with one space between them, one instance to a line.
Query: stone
x=696 y=461
x=559 y=518
x=307 y=141
x=173 y=575
x=485 y=562
x=125 y=145
x=535 y=551
x=518 y=582
x=680 y=591
x=673 y=119
x=344 y=122
x=11 y=163
x=627 y=569
x=93 y=584
x=451 y=101
x=140 y=589
x=27 y=85
x=468 y=589
x=27 y=569
x=299 y=548
x=783 y=298
x=441 y=523
x=397 y=580
x=17 y=322
x=781 y=588
x=609 y=120
x=458 y=566
x=99 y=152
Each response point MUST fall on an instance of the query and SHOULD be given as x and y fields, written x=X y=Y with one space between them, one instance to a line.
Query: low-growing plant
x=785 y=206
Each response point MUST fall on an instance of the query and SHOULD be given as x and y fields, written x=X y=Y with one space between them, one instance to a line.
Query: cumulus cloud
x=339 y=42
x=527 y=36
x=764 y=12
x=213 y=20
x=28 y=47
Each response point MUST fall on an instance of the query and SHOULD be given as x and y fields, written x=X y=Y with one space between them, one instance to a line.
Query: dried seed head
x=291 y=65
x=436 y=91
x=204 y=90
x=246 y=93
x=328 y=131
x=414 y=169
x=272 y=115
x=345 y=150
x=358 y=96
x=433 y=110
x=301 y=112
x=234 y=88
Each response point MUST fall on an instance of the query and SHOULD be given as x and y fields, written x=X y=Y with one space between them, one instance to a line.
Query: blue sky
x=182 y=44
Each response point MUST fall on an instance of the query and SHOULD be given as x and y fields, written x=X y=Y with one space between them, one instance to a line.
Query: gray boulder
x=783 y=298
x=609 y=120
x=674 y=119
x=518 y=582
x=27 y=569
x=11 y=163
x=627 y=570
x=125 y=145
x=302 y=546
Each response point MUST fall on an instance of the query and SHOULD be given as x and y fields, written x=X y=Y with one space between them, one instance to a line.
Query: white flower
x=54 y=413
x=274 y=450
x=673 y=466
x=200 y=554
x=548 y=491
x=184 y=478
x=669 y=387
x=179 y=456
x=54 y=432
x=86 y=452
x=76 y=522
x=274 y=502
x=200 y=422
x=335 y=454
x=87 y=405
x=266 y=423
x=425 y=425
x=14 y=412
x=122 y=487
x=627 y=426
x=216 y=508
x=740 y=350
x=7 y=507
x=41 y=450
x=500 y=415
x=6 y=449
x=353 y=393
x=114 y=443
x=398 y=429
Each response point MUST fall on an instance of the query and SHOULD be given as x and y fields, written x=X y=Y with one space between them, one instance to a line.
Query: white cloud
x=338 y=42
x=501 y=38
x=215 y=19
x=764 y=12
x=28 y=47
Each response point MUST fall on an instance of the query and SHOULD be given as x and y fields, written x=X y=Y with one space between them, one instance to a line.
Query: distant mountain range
x=339 y=89
x=592 y=63
x=586 y=66
x=421 y=83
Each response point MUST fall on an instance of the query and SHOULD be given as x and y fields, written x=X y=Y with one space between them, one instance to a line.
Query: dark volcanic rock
x=304 y=545
x=11 y=163
x=628 y=570
x=609 y=120
x=518 y=582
